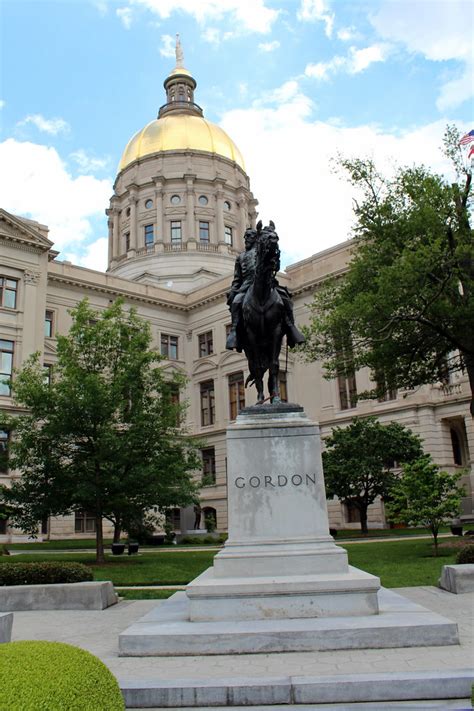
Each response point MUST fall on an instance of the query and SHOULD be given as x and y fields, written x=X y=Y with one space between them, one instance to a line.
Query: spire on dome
x=179 y=53
x=180 y=85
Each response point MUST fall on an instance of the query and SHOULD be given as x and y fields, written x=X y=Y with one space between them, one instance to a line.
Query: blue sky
x=293 y=83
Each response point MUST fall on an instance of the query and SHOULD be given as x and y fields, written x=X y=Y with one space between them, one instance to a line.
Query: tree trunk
x=117 y=532
x=363 y=519
x=435 y=539
x=99 y=541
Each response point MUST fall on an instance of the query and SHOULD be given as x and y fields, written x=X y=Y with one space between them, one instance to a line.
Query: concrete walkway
x=97 y=631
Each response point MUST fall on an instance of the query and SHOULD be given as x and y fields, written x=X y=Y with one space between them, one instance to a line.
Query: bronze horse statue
x=263 y=315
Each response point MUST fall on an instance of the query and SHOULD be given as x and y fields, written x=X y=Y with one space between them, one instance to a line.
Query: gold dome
x=180 y=132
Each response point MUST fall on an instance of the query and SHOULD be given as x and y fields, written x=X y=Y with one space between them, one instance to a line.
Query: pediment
x=18 y=230
x=232 y=357
x=204 y=366
x=50 y=348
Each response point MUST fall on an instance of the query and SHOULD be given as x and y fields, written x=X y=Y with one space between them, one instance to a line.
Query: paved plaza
x=97 y=631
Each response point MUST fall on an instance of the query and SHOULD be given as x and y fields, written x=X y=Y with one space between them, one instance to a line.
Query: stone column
x=160 y=222
x=133 y=225
x=115 y=234
x=110 y=225
x=190 y=235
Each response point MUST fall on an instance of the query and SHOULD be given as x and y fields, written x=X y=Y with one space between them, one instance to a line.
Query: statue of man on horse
x=261 y=309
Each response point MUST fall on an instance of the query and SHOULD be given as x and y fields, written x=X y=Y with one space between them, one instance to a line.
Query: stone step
x=346 y=691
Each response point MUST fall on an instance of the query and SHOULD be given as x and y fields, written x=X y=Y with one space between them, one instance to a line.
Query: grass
x=397 y=563
x=141 y=594
x=385 y=533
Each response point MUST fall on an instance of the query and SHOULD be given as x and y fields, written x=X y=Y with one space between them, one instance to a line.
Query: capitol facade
x=181 y=203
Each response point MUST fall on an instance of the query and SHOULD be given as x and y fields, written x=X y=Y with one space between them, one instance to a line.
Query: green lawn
x=342 y=534
x=141 y=594
x=397 y=563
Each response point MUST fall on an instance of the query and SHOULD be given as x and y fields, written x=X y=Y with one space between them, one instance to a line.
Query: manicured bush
x=12 y=573
x=52 y=676
x=465 y=555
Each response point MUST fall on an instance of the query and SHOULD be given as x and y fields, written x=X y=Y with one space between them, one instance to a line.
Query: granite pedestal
x=280 y=583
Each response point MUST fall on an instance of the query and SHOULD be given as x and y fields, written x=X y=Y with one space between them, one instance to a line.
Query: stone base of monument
x=281 y=583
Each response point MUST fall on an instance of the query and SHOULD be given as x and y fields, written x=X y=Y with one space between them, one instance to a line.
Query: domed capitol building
x=181 y=203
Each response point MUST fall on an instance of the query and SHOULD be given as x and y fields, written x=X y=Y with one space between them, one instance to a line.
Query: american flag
x=467 y=138
x=471 y=152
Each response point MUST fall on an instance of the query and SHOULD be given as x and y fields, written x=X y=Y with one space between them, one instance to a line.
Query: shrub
x=42 y=573
x=465 y=555
x=53 y=676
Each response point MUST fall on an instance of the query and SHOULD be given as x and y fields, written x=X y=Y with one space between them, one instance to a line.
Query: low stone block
x=6 y=623
x=457 y=578
x=62 y=596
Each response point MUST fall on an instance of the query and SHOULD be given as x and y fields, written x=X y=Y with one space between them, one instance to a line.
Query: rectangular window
x=149 y=235
x=169 y=346
x=173 y=517
x=4 y=439
x=208 y=407
x=206 y=346
x=236 y=394
x=346 y=380
x=8 y=291
x=228 y=235
x=84 y=522
x=176 y=232
x=6 y=366
x=127 y=241
x=384 y=391
x=204 y=232
x=283 y=386
x=48 y=323
x=208 y=466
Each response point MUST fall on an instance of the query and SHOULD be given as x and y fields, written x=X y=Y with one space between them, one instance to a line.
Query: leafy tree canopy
x=407 y=299
x=359 y=461
x=104 y=435
x=425 y=495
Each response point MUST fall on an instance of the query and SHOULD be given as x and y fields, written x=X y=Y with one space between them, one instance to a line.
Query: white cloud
x=268 y=46
x=317 y=10
x=52 y=126
x=168 y=46
x=101 y=6
x=34 y=182
x=345 y=34
x=356 y=61
x=87 y=163
x=440 y=31
x=248 y=15
x=2 y=103
x=212 y=35
x=288 y=156
x=125 y=16
x=94 y=257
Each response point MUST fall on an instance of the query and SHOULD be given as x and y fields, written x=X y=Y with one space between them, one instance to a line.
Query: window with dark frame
x=173 y=517
x=236 y=394
x=169 y=346
x=176 y=232
x=127 y=241
x=208 y=407
x=456 y=446
x=84 y=522
x=228 y=235
x=352 y=512
x=346 y=380
x=384 y=392
x=208 y=466
x=8 y=292
x=4 y=441
x=149 y=235
x=204 y=232
x=6 y=366
x=48 y=324
x=206 y=344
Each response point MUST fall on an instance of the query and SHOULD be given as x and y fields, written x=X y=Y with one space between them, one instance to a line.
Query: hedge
x=465 y=555
x=53 y=676
x=42 y=573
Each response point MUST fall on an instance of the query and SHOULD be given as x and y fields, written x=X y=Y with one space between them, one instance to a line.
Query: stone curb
x=60 y=596
x=271 y=691
x=6 y=623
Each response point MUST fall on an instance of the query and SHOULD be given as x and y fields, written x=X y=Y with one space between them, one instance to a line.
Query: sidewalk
x=97 y=631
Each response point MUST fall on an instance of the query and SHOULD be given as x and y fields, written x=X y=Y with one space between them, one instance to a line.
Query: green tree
x=424 y=495
x=407 y=299
x=359 y=460
x=104 y=436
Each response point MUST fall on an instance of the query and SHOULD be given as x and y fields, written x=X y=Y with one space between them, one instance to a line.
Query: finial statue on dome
x=179 y=53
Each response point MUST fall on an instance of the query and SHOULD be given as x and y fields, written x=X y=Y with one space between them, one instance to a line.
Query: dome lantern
x=179 y=86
